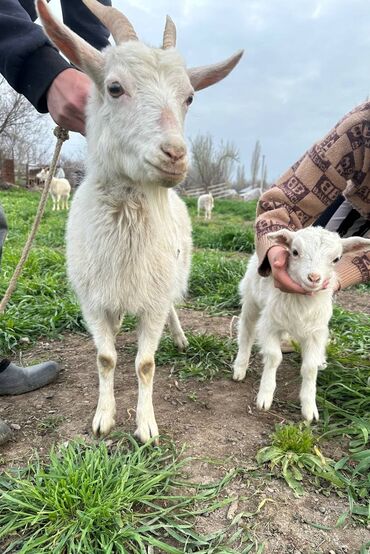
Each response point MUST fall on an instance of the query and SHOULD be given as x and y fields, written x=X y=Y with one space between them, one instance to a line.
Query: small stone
x=24 y=340
x=15 y=426
x=322 y=509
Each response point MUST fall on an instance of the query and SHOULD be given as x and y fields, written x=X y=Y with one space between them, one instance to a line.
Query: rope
x=62 y=135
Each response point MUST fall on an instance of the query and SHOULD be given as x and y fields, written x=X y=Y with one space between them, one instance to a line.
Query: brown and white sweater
x=339 y=163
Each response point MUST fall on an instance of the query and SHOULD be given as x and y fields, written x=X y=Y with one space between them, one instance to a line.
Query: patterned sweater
x=340 y=162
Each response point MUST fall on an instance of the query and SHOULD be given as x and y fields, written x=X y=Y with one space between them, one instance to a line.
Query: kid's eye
x=295 y=253
x=336 y=260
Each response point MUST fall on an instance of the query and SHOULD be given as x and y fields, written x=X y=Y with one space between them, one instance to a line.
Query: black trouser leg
x=3 y=230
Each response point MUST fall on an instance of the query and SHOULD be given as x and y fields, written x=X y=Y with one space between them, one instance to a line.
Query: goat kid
x=128 y=235
x=270 y=313
x=206 y=203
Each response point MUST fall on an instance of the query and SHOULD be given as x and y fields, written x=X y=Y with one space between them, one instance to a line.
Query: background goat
x=206 y=203
x=313 y=255
x=60 y=190
x=128 y=235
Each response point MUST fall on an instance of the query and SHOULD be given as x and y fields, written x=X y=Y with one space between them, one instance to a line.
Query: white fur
x=269 y=313
x=60 y=190
x=206 y=203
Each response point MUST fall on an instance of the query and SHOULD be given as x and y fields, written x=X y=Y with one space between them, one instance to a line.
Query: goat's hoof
x=181 y=342
x=310 y=412
x=239 y=372
x=323 y=365
x=264 y=400
x=103 y=423
x=146 y=431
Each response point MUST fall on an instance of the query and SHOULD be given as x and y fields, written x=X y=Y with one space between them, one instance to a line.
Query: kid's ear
x=76 y=49
x=354 y=244
x=207 y=75
x=283 y=237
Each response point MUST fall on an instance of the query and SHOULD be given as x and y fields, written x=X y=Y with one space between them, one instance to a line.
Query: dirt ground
x=217 y=420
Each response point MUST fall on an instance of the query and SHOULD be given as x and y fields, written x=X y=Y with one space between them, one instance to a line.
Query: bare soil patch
x=217 y=420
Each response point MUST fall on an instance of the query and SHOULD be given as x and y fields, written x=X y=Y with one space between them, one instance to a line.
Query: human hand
x=278 y=257
x=67 y=97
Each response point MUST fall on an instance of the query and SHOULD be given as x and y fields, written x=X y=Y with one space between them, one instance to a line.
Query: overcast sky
x=306 y=63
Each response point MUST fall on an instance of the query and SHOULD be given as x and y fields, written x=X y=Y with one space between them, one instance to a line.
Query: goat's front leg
x=246 y=334
x=176 y=330
x=270 y=347
x=150 y=331
x=54 y=203
x=313 y=357
x=104 y=327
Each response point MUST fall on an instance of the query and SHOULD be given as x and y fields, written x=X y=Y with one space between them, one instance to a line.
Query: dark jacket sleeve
x=28 y=61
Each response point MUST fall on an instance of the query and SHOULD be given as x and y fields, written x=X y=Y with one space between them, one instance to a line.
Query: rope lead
x=62 y=135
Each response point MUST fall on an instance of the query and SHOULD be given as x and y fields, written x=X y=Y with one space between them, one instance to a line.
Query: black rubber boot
x=5 y=432
x=18 y=380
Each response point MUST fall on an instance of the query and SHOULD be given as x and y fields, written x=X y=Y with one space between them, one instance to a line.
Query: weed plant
x=293 y=450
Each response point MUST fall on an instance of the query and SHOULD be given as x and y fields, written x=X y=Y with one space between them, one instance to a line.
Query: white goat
x=206 y=203
x=60 y=190
x=128 y=236
x=313 y=254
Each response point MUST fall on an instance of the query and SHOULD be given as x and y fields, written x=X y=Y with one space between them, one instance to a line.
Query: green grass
x=206 y=357
x=228 y=228
x=93 y=499
x=245 y=210
x=214 y=281
x=239 y=238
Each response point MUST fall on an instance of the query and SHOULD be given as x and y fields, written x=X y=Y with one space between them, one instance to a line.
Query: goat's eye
x=115 y=89
x=189 y=100
x=336 y=260
x=295 y=253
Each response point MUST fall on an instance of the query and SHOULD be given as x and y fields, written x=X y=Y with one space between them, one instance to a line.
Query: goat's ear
x=207 y=75
x=283 y=237
x=77 y=50
x=353 y=244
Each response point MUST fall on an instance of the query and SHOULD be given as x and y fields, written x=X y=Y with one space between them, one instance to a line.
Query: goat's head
x=314 y=251
x=141 y=96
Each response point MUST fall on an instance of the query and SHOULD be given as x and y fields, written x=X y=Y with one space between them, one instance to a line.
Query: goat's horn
x=114 y=20
x=169 y=35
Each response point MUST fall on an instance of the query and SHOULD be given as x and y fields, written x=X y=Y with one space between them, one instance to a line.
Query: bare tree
x=22 y=129
x=264 y=184
x=255 y=164
x=240 y=180
x=211 y=165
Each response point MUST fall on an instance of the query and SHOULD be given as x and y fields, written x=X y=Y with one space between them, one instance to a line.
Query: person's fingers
x=287 y=284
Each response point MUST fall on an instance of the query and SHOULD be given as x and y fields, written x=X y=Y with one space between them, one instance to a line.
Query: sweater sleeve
x=312 y=184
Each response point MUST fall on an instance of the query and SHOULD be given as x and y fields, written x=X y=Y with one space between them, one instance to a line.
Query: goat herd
x=132 y=253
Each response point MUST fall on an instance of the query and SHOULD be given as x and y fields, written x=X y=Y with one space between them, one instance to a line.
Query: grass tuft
x=206 y=357
x=97 y=500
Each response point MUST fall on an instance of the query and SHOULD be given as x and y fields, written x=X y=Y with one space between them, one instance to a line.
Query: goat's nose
x=314 y=277
x=173 y=151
